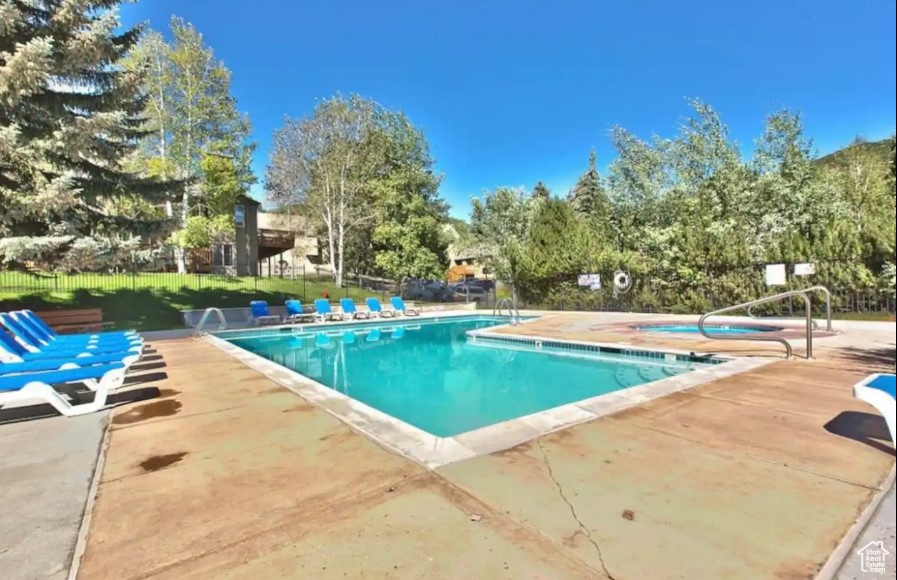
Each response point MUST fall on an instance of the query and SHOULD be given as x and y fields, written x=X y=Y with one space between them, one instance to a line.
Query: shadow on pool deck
x=863 y=427
x=760 y=474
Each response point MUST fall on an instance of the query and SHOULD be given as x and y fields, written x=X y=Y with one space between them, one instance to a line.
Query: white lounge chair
x=878 y=391
x=39 y=386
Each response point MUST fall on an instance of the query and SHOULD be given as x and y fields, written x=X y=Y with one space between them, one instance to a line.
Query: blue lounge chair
x=259 y=314
x=400 y=307
x=323 y=312
x=54 y=364
x=348 y=307
x=13 y=349
x=376 y=309
x=43 y=327
x=295 y=312
x=879 y=391
x=374 y=335
x=33 y=340
x=14 y=359
x=102 y=379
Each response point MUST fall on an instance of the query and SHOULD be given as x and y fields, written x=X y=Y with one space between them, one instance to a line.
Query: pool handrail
x=513 y=312
x=789 y=351
x=828 y=307
x=205 y=315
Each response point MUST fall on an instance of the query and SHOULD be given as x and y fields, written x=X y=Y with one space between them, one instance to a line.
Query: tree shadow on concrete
x=863 y=427
x=881 y=359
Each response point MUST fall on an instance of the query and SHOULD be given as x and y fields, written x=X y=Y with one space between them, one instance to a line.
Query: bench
x=63 y=321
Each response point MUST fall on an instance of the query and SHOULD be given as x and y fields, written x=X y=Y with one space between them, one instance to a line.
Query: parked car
x=469 y=293
x=427 y=291
x=487 y=285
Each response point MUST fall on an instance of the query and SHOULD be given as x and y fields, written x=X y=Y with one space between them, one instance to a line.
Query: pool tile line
x=280 y=330
x=432 y=452
x=557 y=347
x=610 y=348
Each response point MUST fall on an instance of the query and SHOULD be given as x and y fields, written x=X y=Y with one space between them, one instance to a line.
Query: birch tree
x=324 y=164
x=191 y=115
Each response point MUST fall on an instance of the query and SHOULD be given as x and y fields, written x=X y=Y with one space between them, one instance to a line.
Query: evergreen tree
x=70 y=117
x=588 y=196
x=541 y=191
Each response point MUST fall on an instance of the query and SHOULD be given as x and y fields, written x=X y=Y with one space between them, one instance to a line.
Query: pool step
x=632 y=376
x=674 y=371
x=629 y=377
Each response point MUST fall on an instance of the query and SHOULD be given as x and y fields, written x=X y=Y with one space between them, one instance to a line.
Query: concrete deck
x=757 y=475
x=45 y=475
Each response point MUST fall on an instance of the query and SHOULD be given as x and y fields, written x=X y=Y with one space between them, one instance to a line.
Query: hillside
x=883 y=149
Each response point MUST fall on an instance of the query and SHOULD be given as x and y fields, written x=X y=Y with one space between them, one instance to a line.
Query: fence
x=190 y=290
x=651 y=295
x=202 y=290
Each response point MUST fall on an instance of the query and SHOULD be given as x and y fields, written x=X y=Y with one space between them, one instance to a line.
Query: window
x=223 y=255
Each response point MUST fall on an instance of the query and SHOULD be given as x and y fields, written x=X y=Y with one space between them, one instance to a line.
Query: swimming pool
x=710 y=328
x=431 y=374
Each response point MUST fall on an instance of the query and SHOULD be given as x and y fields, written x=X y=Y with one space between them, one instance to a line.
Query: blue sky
x=513 y=92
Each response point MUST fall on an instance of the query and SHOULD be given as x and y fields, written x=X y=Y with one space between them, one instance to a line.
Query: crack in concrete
x=583 y=529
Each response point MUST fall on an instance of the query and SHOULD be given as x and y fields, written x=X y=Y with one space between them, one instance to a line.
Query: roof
x=249 y=200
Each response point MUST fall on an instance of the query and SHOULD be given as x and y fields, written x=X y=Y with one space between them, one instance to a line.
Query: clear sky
x=510 y=92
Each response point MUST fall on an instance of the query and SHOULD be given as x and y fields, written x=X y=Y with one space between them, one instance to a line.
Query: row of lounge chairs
x=34 y=360
x=323 y=312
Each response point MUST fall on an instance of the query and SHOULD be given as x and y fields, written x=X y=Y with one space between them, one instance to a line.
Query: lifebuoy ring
x=622 y=282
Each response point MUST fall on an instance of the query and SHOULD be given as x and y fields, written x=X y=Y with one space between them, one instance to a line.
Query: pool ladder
x=808 y=307
x=205 y=316
x=513 y=313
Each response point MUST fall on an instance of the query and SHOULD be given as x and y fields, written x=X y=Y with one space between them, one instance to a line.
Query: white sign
x=804 y=269
x=592 y=281
x=872 y=557
x=775 y=275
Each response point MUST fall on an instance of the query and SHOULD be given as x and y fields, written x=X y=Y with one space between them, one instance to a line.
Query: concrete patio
x=758 y=475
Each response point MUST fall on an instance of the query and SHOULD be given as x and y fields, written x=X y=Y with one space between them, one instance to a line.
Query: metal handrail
x=828 y=307
x=513 y=312
x=789 y=352
x=205 y=316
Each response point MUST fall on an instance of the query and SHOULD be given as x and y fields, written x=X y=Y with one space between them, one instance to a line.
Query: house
x=467 y=263
x=466 y=259
x=266 y=244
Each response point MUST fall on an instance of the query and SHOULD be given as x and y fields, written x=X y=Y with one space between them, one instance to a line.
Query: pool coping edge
x=433 y=452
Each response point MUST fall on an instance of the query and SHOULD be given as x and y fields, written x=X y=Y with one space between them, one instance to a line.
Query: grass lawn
x=153 y=301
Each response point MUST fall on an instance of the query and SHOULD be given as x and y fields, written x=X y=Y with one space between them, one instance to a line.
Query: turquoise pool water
x=711 y=328
x=431 y=375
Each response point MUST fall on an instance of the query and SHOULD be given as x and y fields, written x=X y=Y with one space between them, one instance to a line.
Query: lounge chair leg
x=38 y=390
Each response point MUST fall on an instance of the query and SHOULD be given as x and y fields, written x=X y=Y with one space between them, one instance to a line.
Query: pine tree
x=541 y=191
x=70 y=117
x=588 y=196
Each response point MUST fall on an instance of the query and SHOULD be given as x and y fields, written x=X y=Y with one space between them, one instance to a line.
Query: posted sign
x=592 y=281
x=775 y=275
x=806 y=269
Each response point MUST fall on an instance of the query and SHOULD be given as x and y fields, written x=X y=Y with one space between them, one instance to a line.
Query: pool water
x=710 y=328
x=431 y=375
